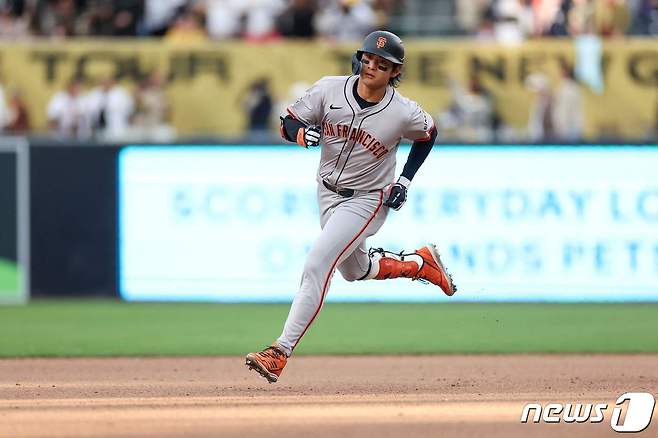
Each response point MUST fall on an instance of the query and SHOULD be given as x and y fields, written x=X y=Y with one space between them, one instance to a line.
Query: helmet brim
x=379 y=52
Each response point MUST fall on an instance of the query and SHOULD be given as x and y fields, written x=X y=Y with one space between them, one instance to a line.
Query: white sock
x=374 y=266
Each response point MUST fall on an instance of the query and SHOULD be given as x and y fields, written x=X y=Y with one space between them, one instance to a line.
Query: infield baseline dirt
x=405 y=396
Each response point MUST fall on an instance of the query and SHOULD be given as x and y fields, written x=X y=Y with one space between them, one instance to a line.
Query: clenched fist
x=397 y=194
x=308 y=136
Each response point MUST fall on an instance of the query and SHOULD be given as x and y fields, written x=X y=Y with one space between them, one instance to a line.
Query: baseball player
x=360 y=120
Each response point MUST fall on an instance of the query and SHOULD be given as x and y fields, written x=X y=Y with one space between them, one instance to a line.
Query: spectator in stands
x=485 y=31
x=159 y=15
x=97 y=19
x=117 y=18
x=257 y=104
x=346 y=20
x=109 y=108
x=14 y=22
x=297 y=21
x=254 y=20
x=57 y=18
x=471 y=13
x=540 y=116
x=580 y=17
x=514 y=21
x=187 y=28
x=19 y=119
x=66 y=111
x=612 y=17
x=383 y=10
x=152 y=110
x=16 y=8
x=548 y=14
x=645 y=17
x=552 y=17
x=470 y=116
x=128 y=14
x=260 y=19
x=568 y=108
x=224 y=18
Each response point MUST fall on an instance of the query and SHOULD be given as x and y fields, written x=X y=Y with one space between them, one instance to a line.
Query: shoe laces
x=273 y=352
x=384 y=253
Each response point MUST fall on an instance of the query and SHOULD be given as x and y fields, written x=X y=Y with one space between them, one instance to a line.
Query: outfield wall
x=73 y=219
x=514 y=223
x=14 y=220
x=232 y=223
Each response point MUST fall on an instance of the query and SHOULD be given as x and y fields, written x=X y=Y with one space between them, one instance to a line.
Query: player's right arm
x=300 y=121
x=295 y=131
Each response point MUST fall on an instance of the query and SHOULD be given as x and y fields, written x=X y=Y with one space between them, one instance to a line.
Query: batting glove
x=397 y=194
x=308 y=136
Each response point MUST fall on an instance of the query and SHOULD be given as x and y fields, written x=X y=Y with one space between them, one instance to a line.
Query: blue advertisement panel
x=233 y=224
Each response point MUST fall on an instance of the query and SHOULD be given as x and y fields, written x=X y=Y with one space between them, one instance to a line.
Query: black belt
x=345 y=193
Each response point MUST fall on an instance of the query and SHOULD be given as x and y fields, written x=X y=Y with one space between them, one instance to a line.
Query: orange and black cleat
x=268 y=363
x=423 y=264
x=433 y=270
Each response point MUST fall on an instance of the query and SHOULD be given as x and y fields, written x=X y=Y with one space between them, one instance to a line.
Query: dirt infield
x=316 y=396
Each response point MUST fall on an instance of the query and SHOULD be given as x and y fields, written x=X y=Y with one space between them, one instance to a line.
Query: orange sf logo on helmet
x=381 y=42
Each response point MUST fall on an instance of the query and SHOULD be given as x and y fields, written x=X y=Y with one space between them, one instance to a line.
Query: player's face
x=377 y=71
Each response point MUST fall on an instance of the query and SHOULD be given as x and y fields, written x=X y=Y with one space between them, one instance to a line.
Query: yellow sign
x=206 y=83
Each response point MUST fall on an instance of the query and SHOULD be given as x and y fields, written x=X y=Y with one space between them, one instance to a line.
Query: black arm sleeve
x=419 y=151
x=289 y=128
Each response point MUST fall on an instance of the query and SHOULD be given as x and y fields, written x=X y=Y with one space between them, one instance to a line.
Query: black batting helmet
x=385 y=44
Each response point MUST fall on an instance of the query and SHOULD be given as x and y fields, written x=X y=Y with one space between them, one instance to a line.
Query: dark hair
x=395 y=81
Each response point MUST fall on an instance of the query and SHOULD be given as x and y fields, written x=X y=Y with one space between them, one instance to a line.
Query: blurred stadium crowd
x=105 y=111
x=501 y=20
x=108 y=110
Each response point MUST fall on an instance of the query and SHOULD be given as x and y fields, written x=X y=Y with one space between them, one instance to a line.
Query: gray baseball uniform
x=358 y=154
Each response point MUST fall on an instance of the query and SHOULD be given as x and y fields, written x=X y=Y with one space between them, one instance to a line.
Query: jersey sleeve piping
x=292 y=114
x=428 y=133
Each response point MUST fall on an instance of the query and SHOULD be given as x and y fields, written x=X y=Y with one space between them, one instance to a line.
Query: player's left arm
x=420 y=149
x=419 y=127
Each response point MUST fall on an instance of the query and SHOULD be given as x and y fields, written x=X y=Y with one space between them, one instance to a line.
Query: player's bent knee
x=351 y=275
x=348 y=277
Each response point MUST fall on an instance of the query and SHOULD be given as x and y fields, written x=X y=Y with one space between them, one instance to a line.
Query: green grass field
x=114 y=328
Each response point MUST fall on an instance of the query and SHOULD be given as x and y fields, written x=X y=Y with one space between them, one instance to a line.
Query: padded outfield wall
x=181 y=222
x=14 y=220
x=514 y=223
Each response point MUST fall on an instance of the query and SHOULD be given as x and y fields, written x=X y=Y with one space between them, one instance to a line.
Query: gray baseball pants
x=346 y=224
